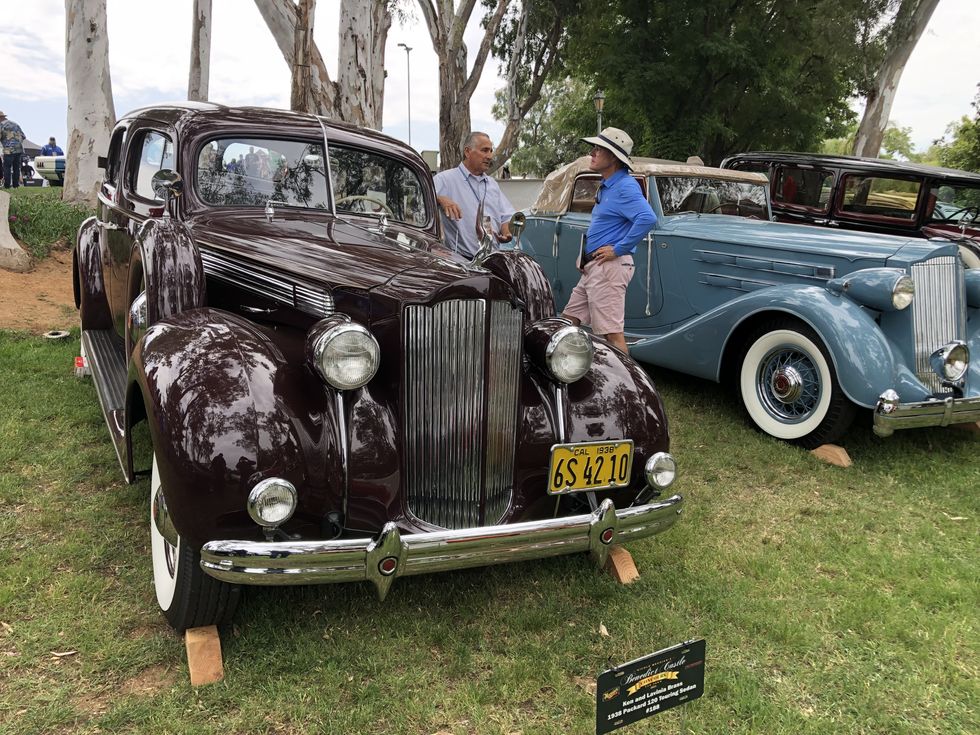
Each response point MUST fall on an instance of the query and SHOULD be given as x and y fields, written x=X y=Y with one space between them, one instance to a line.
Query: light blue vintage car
x=807 y=324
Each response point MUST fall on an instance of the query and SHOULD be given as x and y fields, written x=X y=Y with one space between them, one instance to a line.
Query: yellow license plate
x=589 y=466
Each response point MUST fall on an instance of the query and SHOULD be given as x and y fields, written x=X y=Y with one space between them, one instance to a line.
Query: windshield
x=251 y=171
x=955 y=203
x=712 y=196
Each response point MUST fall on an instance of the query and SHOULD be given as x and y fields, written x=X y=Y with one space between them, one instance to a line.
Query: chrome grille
x=938 y=311
x=462 y=368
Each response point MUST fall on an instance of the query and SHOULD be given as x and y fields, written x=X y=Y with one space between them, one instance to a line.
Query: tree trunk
x=301 y=98
x=360 y=71
x=197 y=84
x=908 y=26
x=90 y=111
x=446 y=28
x=357 y=95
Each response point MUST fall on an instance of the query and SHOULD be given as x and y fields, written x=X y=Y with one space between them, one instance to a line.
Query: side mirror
x=517 y=222
x=167 y=185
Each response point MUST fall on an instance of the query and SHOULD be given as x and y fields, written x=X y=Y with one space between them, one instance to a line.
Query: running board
x=106 y=359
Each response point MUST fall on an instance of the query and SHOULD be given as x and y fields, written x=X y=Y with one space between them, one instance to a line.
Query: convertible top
x=556 y=192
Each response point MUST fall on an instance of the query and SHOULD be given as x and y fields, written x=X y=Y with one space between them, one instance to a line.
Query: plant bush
x=41 y=221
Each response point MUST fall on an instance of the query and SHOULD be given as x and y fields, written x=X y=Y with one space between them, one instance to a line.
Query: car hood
x=318 y=248
x=844 y=244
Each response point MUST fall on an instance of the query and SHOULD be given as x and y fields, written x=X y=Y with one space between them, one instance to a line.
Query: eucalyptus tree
x=200 y=70
x=91 y=114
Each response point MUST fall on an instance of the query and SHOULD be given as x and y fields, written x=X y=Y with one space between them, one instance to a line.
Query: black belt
x=587 y=257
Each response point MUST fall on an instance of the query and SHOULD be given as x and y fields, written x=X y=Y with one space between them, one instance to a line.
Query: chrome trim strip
x=938 y=312
x=344 y=449
x=821 y=272
x=503 y=381
x=916 y=415
x=349 y=560
x=266 y=283
x=561 y=396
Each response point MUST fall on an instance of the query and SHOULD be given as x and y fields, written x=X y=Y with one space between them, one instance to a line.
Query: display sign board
x=649 y=685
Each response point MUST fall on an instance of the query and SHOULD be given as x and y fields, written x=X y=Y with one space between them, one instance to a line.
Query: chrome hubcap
x=789 y=385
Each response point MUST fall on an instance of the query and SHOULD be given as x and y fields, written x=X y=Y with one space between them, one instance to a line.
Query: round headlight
x=951 y=361
x=272 y=502
x=902 y=292
x=660 y=469
x=569 y=354
x=346 y=356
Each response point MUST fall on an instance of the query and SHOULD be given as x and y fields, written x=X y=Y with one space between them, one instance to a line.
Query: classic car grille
x=267 y=283
x=938 y=311
x=462 y=368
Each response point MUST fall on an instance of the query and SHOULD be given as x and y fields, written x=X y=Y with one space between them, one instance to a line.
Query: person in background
x=620 y=219
x=461 y=190
x=12 y=142
x=52 y=149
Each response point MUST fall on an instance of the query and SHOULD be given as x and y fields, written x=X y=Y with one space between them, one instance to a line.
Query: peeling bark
x=200 y=72
x=91 y=115
x=909 y=24
x=300 y=97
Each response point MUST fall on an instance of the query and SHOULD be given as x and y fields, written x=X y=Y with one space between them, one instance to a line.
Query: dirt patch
x=41 y=299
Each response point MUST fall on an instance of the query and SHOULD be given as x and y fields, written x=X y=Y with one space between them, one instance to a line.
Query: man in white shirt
x=461 y=190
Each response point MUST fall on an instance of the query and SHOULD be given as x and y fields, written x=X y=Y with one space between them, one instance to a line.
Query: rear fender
x=226 y=410
x=90 y=294
x=865 y=361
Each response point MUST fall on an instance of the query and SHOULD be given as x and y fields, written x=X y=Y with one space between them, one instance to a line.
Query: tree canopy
x=713 y=77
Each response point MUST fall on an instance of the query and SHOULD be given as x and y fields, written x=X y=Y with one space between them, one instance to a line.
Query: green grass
x=41 y=221
x=832 y=600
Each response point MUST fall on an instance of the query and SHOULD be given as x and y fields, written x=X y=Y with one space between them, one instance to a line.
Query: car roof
x=557 y=188
x=194 y=117
x=880 y=165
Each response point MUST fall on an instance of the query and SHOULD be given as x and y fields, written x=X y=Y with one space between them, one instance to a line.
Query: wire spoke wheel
x=789 y=387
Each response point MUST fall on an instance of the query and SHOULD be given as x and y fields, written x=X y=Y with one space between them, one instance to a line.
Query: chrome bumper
x=380 y=560
x=890 y=416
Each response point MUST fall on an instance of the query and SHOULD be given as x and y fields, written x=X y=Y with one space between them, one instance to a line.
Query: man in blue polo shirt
x=52 y=148
x=621 y=218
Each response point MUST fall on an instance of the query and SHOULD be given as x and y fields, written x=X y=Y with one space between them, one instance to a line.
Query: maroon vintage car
x=330 y=396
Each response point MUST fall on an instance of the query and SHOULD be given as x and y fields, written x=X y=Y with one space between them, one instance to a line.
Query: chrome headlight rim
x=322 y=343
x=951 y=361
x=903 y=292
x=660 y=470
x=551 y=353
x=261 y=491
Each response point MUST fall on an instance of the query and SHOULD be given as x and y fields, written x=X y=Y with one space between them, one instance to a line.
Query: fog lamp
x=569 y=354
x=951 y=361
x=660 y=469
x=272 y=502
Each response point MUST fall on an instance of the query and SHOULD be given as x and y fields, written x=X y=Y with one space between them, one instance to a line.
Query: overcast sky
x=149 y=52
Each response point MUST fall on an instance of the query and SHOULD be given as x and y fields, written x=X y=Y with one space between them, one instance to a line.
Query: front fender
x=865 y=361
x=525 y=276
x=226 y=410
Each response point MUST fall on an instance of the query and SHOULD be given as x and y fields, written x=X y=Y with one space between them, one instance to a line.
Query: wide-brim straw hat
x=615 y=141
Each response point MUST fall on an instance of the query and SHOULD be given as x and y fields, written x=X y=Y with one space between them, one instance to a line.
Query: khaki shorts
x=599 y=299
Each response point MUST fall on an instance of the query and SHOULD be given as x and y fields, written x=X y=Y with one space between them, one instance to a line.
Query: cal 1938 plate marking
x=590 y=466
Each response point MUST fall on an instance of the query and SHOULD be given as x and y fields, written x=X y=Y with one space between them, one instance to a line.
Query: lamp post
x=600 y=100
x=408 y=73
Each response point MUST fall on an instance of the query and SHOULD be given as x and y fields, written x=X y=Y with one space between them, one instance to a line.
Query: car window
x=804 y=187
x=583 y=192
x=711 y=196
x=372 y=183
x=753 y=166
x=156 y=154
x=953 y=203
x=879 y=196
x=249 y=172
x=114 y=157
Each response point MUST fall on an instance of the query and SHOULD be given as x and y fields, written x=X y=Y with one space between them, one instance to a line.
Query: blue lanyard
x=469 y=183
